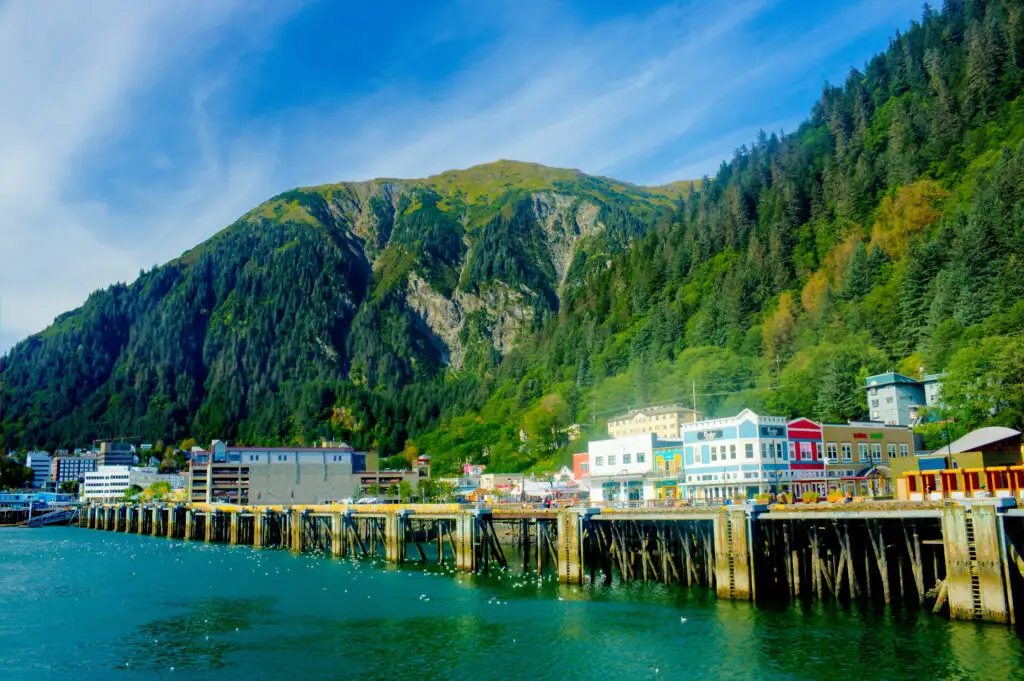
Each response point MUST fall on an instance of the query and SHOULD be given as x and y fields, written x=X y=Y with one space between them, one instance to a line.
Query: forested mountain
x=447 y=314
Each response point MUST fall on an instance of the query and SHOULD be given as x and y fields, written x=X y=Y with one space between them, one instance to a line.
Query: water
x=82 y=604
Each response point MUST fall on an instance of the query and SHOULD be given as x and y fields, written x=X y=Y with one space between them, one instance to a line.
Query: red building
x=806 y=460
x=581 y=465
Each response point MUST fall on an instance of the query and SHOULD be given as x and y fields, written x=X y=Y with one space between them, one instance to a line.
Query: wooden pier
x=962 y=557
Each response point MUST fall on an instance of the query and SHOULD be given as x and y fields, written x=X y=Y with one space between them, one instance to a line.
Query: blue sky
x=130 y=131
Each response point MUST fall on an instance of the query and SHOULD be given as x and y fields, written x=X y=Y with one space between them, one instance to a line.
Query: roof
x=976 y=439
x=889 y=378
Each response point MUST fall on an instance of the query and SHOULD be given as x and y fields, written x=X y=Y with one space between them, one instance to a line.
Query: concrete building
x=384 y=485
x=661 y=421
x=109 y=483
x=743 y=455
x=933 y=389
x=39 y=462
x=858 y=455
x=284 y=475
x=116 y=454
x=620 y=468
x=72 y=468
x=896 y=400
x=106 y=483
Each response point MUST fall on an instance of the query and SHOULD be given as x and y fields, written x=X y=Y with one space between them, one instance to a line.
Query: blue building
x=744 y=455
x=38 y=500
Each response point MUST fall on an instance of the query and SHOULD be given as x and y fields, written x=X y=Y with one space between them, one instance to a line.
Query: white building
x=620 y=468
x=108 y=483
x=39 y=462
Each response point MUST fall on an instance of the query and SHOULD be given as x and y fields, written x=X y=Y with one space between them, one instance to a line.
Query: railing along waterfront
x=962 y=557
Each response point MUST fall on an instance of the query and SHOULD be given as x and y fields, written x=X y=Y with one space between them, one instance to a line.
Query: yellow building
x=662 y=421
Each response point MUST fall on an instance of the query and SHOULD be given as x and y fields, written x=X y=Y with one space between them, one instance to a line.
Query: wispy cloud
x=642 y=96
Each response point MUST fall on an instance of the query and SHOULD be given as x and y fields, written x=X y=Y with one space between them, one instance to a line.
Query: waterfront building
x=985 y=462
x=116 y=454
x=72 y=468
x=22 y=500
x=620 y=468
x=662 y=421
x=106 y=483
x=806 y=457
x=385 y=485
x=501 y=481
x=668 y=468
x=740 y=456
x=286 y=475
x=39 y=462
x=581 y=465
x=109 y=483
x=858 y=455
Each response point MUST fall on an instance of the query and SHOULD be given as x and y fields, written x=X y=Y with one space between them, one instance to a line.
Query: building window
x=584 y=466
x=781 y=449
x=862 y=452
x=847 y=452
x=876 y=452
x=904 y=450
x=890 y=450
x=698 y=456
x=749 y=450
x=794 y=453
x=832 y=452
x=764 y=450
x=598 y=460
x=888 y=400
x=626 y=459
x=874 y=403
x=641 y=457
x=611 y=459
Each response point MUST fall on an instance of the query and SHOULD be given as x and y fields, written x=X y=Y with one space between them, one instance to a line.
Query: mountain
x=363 y=286
x=451 y=315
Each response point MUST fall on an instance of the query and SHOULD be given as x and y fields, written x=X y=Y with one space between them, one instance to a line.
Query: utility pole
x=693 y=385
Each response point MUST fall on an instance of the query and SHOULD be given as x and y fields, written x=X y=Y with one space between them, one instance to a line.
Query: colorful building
x=806 y=457
x=858 y=455
x=985 y=462
x=734 y=457
x=668 y=469
x=581 y=465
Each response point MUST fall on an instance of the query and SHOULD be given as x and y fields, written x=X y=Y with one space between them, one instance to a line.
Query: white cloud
x=602 y=98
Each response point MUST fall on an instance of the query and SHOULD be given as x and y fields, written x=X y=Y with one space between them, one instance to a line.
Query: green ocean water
x=83 y=604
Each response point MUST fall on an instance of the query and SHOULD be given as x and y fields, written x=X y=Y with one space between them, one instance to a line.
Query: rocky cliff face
x=378 y=284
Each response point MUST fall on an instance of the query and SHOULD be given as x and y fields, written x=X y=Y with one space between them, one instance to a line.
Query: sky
x=132 y=131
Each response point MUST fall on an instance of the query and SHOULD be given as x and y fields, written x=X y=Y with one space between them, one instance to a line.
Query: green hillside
x=445 y=315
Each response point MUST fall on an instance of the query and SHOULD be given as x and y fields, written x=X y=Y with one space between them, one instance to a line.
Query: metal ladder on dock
x=972 y=557
x=732 y=567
